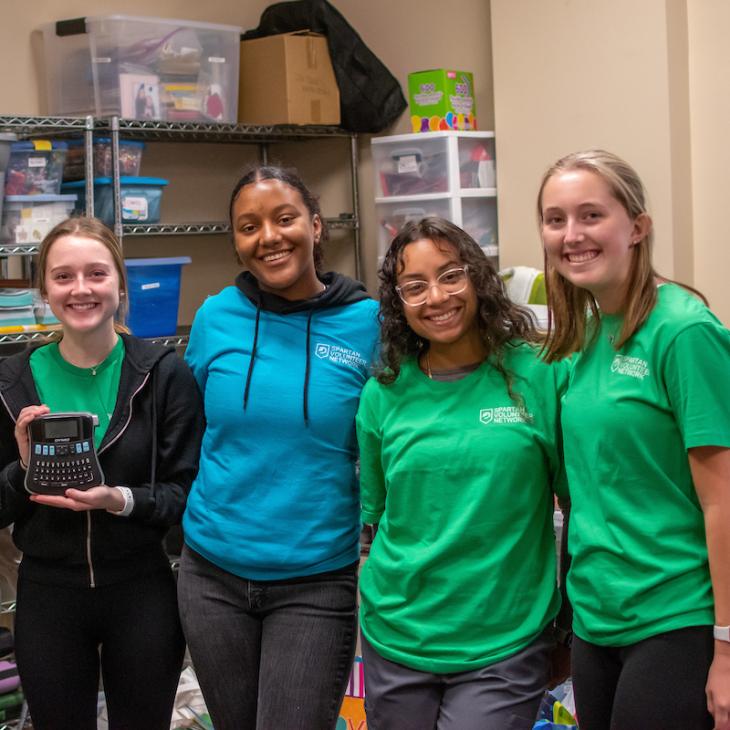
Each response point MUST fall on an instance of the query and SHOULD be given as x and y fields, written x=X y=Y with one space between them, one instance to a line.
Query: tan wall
x=575 y=75
x=709 y=73
x=645 y=80
x=406 y=35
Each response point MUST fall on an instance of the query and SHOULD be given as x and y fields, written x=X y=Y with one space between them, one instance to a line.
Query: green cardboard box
x=441 y=99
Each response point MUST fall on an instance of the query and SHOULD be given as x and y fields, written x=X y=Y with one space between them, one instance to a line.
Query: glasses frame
x=430 y=285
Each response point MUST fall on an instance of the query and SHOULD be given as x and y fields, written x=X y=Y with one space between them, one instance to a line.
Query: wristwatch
x=721 y=633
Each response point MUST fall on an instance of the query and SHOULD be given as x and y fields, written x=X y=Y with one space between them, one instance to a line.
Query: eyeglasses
x=415 y=293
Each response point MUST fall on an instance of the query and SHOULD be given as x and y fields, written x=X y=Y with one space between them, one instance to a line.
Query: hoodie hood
x=340 y=290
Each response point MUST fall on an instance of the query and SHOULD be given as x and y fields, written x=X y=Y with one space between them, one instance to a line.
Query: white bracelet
x=128 y=503
x=721 y=633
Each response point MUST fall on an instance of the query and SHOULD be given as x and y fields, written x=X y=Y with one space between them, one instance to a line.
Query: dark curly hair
x=499 y=319
x=290 y=177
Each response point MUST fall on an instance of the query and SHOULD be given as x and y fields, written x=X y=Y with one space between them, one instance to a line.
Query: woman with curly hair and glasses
x=460 y=456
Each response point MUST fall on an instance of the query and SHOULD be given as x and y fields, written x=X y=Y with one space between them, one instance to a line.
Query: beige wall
x=709 y=74
x=406 y=35
x=645 y=80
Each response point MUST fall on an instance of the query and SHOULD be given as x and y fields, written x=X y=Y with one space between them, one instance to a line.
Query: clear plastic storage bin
x=130 y=158
x=411 y=167
x=391 y=216
x=35 y=168
x=28 y=218
x=142 y=68
x=141 y=198
x=154 y=295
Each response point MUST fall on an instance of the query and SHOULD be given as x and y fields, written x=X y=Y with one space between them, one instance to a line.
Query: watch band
x=721 y=633
x=128 y=503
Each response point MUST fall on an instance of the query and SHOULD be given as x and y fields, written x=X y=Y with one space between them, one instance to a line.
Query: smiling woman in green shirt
x=646 y=426
x=459 y=452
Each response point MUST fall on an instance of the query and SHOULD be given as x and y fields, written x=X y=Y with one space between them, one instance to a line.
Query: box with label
x=141 y=198
x=154 y=295
x=142 y=68
x=35 y=167
x=28 y=218
x=441 y=100
x=287 y=79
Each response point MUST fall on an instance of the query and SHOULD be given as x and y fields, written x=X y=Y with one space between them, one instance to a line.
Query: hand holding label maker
x=62 y=454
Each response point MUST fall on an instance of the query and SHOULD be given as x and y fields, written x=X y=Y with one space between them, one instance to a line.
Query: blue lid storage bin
x=154 y=295
x=141 y=198
x=35 y=168
x=130 y=158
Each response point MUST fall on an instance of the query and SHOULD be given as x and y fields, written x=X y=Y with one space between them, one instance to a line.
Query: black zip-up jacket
x=96 y=548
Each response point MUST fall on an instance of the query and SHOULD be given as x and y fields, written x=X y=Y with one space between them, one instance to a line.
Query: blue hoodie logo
x=340 y=356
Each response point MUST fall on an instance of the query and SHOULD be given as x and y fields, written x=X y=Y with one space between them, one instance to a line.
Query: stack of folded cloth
x=16 y=307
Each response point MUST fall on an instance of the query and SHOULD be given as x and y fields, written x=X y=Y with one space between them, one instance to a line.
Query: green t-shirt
x=461 y=573
x=637 y=534
x=65 y=387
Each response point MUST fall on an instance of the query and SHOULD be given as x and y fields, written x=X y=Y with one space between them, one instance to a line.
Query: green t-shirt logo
x=634 y=367
x=504 y=414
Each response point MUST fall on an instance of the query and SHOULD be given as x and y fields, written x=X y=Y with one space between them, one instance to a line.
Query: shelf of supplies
x=174 y=229
x=171 y=131
x=212 y=132
x=214 y=227
x=24 y=337
x=19 y=249
x=177 y=340
x=33 y=126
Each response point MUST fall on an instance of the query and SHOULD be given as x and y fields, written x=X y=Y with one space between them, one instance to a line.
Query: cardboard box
x=441 y=99
x=288 y=79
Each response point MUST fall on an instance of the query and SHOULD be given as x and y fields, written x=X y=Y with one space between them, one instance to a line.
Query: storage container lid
x=38 y=145
x=161 y=21
x=105 y=140
x=173 y=261
x=124 y=180
x=47 y=198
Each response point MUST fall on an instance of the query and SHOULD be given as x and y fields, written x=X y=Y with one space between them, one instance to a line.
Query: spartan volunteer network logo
x=634 y=367
x=340 y=355
x=504 y=414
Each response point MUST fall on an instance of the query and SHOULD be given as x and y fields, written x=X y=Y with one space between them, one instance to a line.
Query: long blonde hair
x=569 y=305
x=88 y=228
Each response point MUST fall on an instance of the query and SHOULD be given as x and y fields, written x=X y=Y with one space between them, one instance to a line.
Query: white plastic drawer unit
x=142 y=68
x=447 y=174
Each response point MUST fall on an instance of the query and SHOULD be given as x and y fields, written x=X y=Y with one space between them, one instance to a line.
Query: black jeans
x=655 y=684
x=269 y=654
x=130 y=631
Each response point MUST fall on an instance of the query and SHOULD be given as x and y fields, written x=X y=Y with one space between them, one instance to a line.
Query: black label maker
x=62 y=453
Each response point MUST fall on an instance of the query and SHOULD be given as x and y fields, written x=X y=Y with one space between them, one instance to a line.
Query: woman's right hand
x=21 y=429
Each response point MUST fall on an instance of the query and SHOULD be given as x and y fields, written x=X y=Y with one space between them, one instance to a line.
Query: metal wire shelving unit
x=158 y=131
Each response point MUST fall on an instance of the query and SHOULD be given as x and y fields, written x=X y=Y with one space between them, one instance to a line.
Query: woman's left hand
x=101 y=497
x=718 y=688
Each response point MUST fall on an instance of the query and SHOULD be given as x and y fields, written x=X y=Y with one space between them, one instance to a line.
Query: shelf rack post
x=355 y=205
x=89 y=164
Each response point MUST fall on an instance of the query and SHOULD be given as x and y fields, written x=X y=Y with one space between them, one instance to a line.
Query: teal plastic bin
x=154 y=295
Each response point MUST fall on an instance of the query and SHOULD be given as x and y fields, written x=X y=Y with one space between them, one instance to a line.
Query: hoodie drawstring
x=253 y=354
x=307 y=366
x=306 y=371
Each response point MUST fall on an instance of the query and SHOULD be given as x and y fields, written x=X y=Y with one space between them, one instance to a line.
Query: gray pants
x=269 y=654
x=502 y=696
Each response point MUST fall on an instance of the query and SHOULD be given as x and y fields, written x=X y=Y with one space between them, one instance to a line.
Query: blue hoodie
x=276 y=495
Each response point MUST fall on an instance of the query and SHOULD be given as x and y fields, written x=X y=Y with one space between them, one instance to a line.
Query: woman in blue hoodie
x=268 y=578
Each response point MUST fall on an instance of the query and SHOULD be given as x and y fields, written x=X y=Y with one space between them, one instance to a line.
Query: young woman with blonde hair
x=646 y=428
